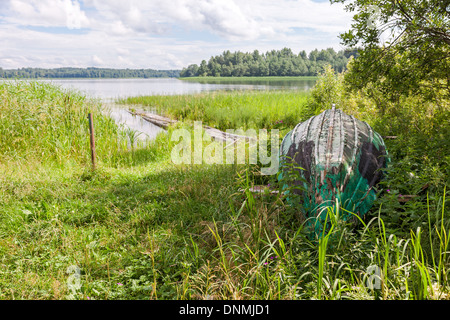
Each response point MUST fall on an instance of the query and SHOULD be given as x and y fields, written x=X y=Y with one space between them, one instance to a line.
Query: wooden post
x=91 y=129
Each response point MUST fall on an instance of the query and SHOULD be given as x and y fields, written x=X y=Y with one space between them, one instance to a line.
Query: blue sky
x=159 y=34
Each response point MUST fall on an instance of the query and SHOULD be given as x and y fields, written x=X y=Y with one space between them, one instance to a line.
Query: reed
x=232 y=110
x=43 y=122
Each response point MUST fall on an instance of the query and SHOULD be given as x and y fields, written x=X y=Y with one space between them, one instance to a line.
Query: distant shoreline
x=197 y=79
x=86 y=73
x=251 y=78
x=80 y=78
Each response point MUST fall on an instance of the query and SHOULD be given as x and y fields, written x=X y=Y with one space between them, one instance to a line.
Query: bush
x=328 y=90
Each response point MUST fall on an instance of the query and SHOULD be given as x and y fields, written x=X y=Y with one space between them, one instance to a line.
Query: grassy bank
x=141 y=227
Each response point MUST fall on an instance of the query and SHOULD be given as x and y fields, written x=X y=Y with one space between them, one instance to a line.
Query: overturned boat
x=342 y=161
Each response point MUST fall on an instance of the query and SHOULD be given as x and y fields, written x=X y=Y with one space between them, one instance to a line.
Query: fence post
x=91 y=129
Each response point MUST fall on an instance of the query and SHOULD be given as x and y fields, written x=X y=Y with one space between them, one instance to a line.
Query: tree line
x=272 y=63
x=34 y=73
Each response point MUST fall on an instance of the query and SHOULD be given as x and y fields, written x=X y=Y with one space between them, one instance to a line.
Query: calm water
x=108 y=90
x=111 y=89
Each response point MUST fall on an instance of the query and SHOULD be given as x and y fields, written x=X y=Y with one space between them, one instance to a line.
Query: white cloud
x=223 y=17
x=96 y=60
x=229 y=19
x=132 y=16
x=47 y=13
x=159 y=34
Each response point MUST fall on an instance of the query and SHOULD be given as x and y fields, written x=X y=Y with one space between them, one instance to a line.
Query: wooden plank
x=258 y=189
x=164 y=122
x=406 y=197
x=225 y=136
x=157 y=120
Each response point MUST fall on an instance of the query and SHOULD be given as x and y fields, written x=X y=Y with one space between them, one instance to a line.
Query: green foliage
x=414 y=58
x=327 y=91
x=272 y=63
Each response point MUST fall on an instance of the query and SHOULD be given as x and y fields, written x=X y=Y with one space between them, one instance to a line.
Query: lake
x=109 y=90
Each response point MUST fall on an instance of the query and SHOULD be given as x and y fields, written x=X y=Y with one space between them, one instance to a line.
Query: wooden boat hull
x=342 y=158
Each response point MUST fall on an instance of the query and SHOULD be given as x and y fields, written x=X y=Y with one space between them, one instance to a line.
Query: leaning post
x=91 y=129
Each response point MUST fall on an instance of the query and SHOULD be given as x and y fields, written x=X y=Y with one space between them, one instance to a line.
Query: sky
x=160 y=34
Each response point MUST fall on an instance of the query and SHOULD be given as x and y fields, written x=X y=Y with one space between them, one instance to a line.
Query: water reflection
x=264 y=83
x=112 y=89
x=144 y=130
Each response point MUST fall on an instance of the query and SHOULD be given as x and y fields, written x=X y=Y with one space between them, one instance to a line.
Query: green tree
x=313 y=55
x=303 y=55
x=405 y=46
x=325 y=55
x=301 y=67
x=203 y=69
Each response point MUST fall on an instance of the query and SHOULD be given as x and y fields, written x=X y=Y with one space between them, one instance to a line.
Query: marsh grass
x=140 y=227
x=41 y=122
x=233 y=110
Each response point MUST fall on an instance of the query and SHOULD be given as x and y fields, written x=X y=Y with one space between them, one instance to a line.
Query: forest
x=282 y=62
x=37 y=73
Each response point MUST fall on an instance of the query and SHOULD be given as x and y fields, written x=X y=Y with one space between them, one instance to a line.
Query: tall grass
x=42 y=122
x=257 y=256
x=38 y=120
x=233 y=110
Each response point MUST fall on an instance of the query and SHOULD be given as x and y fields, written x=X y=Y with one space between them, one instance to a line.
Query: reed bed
x=232 y=110
x=43 y=122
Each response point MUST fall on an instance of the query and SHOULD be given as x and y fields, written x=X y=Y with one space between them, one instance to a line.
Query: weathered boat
x=342 y=160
